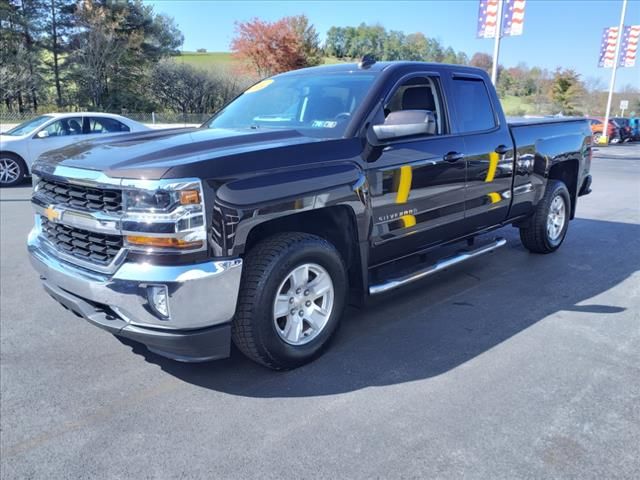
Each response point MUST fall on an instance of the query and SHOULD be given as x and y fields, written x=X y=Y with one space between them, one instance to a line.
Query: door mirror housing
x=42 y=134
x=405 y=123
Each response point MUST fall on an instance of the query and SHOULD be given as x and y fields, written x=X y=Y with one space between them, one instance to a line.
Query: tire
x=538 y=236
x=596 y=138
x=12 y=170
x=275 y=267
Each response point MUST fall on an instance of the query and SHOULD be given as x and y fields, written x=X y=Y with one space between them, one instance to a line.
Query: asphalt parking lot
x=512 y=366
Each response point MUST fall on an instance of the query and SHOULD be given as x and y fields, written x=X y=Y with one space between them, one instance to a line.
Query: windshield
x=319 y=105
x=29 y=126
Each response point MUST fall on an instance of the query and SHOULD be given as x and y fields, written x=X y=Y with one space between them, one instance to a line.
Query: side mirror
x=42 y=134
x=406 y=123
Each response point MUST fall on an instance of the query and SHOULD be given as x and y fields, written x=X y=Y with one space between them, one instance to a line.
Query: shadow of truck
x=440 y=323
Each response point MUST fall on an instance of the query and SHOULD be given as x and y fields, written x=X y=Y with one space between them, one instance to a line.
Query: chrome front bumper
x=202 y=300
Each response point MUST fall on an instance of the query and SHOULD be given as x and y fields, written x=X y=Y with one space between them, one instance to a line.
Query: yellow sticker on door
x=259 y=86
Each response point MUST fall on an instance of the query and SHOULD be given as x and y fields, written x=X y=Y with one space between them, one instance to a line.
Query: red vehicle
x=596 y=129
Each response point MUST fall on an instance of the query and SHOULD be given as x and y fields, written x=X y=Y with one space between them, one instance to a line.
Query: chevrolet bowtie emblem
x=52 y=214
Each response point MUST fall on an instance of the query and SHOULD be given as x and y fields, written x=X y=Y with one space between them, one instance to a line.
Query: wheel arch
x=18 y=157
x=567 y=172
x=337 y=224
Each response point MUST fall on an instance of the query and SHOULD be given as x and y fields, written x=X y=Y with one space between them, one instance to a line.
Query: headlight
x=164 y=216
x=35 y=180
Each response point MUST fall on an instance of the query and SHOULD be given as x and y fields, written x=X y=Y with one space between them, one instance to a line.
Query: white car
x=22 y=145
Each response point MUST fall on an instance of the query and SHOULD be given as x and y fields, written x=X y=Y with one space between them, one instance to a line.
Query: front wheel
x=291 y=299
x=548 y=226
x=12 y=170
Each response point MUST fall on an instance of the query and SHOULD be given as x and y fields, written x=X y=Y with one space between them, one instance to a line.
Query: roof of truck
x=377 y=67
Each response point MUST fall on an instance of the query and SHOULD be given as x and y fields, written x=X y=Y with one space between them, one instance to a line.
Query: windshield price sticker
x=259 y=86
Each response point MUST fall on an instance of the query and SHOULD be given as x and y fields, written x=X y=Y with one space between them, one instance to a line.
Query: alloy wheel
x=9 y=170
x=303 y=304
x=556 y=218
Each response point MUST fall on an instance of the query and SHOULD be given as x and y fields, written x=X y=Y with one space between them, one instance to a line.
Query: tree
x=415 y=47
x=481 y=60
x=20 y=31
x=566 y=88
x=98 y=49
x=185 y=89
x=60 y=20
x=114 y=47
x=307 y=38
x=336 y=42
x=268 y=48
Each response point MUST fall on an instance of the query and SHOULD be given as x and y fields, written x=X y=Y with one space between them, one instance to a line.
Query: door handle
x=453 y=157
x=502 y=149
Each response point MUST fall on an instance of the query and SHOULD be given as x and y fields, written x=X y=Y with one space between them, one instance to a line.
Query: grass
x=516 y=106
x=221 y=60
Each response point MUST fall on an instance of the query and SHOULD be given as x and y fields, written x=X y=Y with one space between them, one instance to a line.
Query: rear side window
x=106 y=125
x=472 y=104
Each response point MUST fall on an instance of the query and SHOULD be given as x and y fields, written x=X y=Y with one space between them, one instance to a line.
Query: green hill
x=217 y=60
x=206 y=60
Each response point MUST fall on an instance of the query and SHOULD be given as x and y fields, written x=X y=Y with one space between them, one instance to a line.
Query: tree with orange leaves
x=268 y=48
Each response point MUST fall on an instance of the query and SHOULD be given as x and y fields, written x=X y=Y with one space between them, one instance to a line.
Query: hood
x=10 y=138
x=152 y=154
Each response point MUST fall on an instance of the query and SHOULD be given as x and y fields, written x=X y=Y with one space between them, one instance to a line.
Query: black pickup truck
x=311 y=190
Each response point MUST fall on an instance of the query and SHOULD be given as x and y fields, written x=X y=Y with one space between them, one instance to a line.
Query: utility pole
x=605 y=129
x=496 y=45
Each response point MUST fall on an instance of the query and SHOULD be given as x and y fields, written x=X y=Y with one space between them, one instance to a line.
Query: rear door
x=417 y=184
x=488 y=151
x=96 y=126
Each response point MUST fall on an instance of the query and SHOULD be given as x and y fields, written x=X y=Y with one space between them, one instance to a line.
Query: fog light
x=158 y=296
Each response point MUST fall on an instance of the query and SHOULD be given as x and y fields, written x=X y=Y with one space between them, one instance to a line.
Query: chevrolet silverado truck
x=312 y=189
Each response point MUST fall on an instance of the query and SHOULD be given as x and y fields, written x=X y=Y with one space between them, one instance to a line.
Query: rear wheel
x=547 y=227
x=12 y=170
x=291 y=299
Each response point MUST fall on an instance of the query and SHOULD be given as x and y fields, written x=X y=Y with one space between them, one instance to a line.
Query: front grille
x=90 y=246
x=81 y=197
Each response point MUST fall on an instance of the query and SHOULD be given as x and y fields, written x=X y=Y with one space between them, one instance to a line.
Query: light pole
x=605 y=129
x=496 y=45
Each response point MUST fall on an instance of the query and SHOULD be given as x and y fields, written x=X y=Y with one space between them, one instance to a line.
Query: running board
x=440 y=265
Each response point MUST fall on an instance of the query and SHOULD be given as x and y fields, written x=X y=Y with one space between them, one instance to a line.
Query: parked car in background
x=22 y=145
x=624 y=127
x=596 y=129
x=634 y=123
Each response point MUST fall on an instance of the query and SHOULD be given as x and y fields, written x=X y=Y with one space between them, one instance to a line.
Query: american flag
x=608 y=47
x=512 y=18
x=629 y=46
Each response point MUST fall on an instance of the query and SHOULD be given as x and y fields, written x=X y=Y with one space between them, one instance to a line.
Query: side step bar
x=440 y=265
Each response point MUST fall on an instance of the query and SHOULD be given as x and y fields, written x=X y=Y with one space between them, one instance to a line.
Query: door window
x=65 y=127
x=473 y=106
x=106 y=125
x=419 y=93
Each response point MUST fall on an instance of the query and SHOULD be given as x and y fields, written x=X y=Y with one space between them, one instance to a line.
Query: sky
x=557 y=33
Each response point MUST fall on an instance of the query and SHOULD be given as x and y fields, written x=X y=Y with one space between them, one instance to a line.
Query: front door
x=417 y=185
x=58 y=134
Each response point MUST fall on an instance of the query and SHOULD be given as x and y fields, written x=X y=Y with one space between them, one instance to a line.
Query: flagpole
x=496 y=45
x=605 y=128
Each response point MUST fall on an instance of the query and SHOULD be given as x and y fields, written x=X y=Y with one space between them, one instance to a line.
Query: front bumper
x=202 y=300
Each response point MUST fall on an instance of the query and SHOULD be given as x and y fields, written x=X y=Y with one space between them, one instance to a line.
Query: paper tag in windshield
x=259 y=86
x=323 y=124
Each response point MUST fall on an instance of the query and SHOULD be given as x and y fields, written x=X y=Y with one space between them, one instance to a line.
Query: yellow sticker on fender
x=259 y=86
